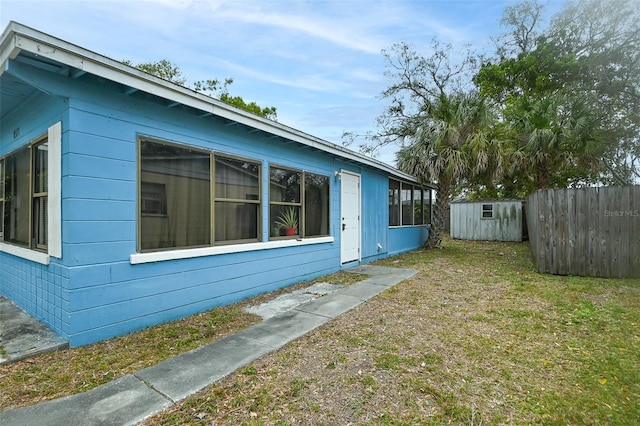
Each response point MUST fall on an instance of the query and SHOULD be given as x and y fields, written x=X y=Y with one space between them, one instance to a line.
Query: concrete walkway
x=134 y=397
x=22 y=336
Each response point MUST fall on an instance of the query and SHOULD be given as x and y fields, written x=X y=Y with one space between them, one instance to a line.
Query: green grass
x=75 y=370
x=477 y=337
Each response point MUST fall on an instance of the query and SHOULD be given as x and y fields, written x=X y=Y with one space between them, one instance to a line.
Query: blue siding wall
x=94 y=292
x=108 y=295
x=406 y=238
x=39 y=289
x=375 y=216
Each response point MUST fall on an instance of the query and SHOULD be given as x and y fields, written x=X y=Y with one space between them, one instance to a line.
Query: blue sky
x=318 y=62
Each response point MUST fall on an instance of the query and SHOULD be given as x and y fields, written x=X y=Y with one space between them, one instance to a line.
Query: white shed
x=491 y=220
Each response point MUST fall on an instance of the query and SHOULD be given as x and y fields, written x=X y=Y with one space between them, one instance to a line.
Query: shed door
x=350 y=215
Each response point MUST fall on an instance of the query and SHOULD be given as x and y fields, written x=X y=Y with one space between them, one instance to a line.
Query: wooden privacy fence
x=591 y=232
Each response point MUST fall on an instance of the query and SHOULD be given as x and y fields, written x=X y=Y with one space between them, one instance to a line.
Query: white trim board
x=160 y=256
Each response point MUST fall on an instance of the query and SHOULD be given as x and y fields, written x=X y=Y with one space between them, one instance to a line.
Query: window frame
x=215 y=199
x=396 y=189
x=212 y=154
x=31 y=227
x=406 y=188
x=305 y=175
x=300 y=205
x=36 y=234
x=139 y=214
x=53 y=135
x=486 y=211
x=394 y=203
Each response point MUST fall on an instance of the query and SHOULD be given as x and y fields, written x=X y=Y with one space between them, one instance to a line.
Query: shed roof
x=21 y=45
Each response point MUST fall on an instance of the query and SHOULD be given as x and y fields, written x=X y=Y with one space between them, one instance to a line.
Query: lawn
x=477 y=337
x=54 y=375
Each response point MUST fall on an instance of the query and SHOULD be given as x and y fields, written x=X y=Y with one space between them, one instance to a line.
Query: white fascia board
x=45 y=45
x=8 y=51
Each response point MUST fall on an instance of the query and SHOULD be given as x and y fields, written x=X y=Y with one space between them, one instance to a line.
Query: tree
x=449 y=144
x=444 y=128
x=604 y=37
x=570 y=93
x=523 y=21
x=169 y=71
x=557 y=142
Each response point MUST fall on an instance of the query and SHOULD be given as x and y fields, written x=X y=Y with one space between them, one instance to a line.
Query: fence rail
x=591 y=232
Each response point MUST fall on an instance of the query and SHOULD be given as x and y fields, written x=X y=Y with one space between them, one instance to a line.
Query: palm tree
x=451 y=142
x=557 y=141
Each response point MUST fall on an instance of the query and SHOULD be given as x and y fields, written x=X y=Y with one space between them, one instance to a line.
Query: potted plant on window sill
x=288 y=220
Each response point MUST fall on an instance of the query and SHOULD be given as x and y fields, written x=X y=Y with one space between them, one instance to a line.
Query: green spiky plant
x=288 y=219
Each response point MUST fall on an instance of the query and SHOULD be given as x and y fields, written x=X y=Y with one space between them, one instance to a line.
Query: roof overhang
x=74 y=61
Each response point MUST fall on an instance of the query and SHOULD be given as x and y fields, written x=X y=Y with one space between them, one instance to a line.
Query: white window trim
x=34 y=256
x=160 y=256
x=54 y=204
x=54 y=196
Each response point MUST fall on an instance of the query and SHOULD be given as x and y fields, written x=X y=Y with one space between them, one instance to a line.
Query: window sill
x=138 y=258
x=25 y=253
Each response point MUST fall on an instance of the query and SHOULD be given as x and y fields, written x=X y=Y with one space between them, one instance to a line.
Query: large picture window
x=176 y=193
x=182 y=176
x=409 y=204
x=296 y=195
x=23 y=196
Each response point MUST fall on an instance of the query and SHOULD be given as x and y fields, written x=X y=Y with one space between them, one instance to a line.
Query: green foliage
x=164 y=69
x=288 y=219
x=267 y=112
x=557 y=106
x=569 y=94
x=169 y=71
x=447 y=132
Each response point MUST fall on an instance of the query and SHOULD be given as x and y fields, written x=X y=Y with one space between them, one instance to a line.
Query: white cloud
x=315 y=26
x=317 y=61
x=360 y=25
x=304 y=80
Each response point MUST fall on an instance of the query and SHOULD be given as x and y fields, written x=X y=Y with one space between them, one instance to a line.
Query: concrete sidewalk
x=22 y=336
x=134 y=397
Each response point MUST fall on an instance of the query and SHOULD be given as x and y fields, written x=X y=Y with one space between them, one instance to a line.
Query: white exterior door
x=350 y=217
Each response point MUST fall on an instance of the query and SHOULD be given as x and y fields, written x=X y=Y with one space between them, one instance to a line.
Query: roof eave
x=17 y=38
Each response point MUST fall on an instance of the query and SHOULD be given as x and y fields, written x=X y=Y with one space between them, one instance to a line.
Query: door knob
x=344 y=226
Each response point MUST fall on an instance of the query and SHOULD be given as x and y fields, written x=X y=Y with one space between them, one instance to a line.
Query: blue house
x=128 y=201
